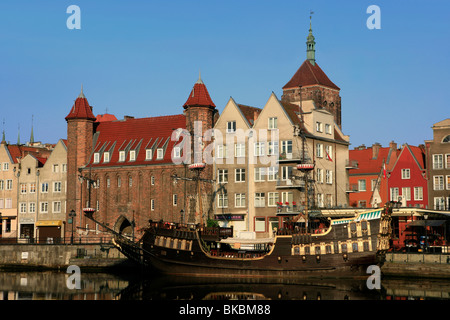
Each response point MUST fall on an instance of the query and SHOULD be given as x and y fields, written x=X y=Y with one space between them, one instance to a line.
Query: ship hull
x=346 y=249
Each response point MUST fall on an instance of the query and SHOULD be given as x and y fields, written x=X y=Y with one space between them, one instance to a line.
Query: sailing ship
x=344 y=247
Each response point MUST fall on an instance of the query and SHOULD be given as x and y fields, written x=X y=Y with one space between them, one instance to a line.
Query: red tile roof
x=81 y=109
x=308 y=75
x=139 y=135
x=367 y=164
x=19 y=151
x=105 y=117
x=250 y=113
x=199 y=96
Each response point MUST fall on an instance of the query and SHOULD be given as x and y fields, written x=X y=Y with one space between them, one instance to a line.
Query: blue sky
x=141 y=58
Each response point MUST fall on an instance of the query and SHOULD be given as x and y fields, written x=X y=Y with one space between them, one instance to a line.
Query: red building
x=368 y=178
x=124 y=168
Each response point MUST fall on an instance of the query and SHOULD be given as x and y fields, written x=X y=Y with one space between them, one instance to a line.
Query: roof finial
x=32 y=134
x=199 y=77
x=81 y=93
x=310 y=44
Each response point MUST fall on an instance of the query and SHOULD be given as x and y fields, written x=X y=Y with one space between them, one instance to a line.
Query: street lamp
x=72 y=216
x=425 y=216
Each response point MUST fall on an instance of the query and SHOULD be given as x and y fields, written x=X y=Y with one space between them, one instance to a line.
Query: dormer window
x=96 y=157
x=132 y=155
x=148 y=154
x=106 y=157
x=319 y=126
x=121 y=155
x=159 y=153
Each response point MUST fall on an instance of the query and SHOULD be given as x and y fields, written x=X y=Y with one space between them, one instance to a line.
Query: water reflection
x=180 y=288
x=134 y=286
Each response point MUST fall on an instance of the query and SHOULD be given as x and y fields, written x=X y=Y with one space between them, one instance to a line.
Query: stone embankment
x=417 y=265
x=89 y=257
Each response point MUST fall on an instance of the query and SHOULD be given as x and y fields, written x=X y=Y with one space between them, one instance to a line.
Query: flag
x=329 y=158
x=384 y=170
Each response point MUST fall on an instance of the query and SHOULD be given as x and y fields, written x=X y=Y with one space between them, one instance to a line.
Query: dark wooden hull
x=344 y=250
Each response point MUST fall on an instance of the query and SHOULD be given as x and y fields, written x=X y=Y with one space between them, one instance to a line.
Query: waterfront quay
x=100 y=255
x=90 y=255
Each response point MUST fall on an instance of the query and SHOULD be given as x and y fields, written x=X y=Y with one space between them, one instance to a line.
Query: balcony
x=351 y=164
x=290 y=183
x=350 y=188
x=296 y=157
x=289 y=208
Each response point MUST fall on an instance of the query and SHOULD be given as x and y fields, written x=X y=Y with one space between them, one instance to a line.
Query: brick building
x=125 y=168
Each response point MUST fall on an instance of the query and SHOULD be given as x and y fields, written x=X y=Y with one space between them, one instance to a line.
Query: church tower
x=311 y=83
x=80 y=129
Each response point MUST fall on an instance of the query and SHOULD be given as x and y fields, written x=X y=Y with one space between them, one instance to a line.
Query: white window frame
x=239 y=200
x=272 y=174
x=328 y=176
x=272 y=123
x=406 y=193
x=222 y=175
x=231 y=126
x=273 y=198
x=260 y=199
x=259 y=149
x=96 y=157
x=159 y=154
x=43 y=207
x=57 y=186
x=406 y=173
x=418 y=193
x=132 y=155
x=106 y=157
x=362 y=185
x=438 y=161
x=23 y=207
x=319 y=126
x=438 y=182
x=122 y=156
x=239 y=175
x=148 y=154
x=260 y=173
x=222 y=200
x=56 y=207
x=239 y=150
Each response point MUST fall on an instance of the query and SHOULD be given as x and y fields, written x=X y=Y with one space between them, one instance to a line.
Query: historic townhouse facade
x=42 y=195
x=258 y=184
x=438 y=158
x=11 y=156
x=133 y=170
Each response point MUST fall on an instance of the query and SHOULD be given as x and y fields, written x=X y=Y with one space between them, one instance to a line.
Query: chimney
x=393 y=145
x=127 y=117
x=361 y=147
x=255 y=116
x=375 y=149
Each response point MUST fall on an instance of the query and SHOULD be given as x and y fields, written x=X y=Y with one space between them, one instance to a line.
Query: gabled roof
x=17 y=152
x=138 y=135
x=199 y=96
x=308 y=75
x=417 y=153
x=249 y=113
x=367 y=164
x=81 y=109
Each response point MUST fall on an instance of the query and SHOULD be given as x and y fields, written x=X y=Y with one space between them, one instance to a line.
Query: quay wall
x=95 y=257
x=417 y=265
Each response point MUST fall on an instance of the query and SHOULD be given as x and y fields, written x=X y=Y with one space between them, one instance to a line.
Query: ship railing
x=236 y=255
x=298 y=230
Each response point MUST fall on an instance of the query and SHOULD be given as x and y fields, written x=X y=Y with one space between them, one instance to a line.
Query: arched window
x=446 y=139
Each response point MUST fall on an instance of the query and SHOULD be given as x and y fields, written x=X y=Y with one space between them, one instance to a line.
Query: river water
x=132 y=286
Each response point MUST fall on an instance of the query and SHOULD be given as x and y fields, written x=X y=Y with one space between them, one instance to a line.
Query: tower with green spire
x=311 y=46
